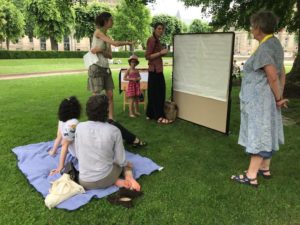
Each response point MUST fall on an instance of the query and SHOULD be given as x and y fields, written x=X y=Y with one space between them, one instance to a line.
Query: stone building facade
x=244 y=43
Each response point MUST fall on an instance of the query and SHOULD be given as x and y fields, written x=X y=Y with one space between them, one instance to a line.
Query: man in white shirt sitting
x=100 y=151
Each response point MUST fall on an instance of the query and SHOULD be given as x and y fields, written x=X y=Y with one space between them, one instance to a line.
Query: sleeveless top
x=102 y=61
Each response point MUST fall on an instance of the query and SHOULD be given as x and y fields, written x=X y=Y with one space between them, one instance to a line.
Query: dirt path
x=43 y=74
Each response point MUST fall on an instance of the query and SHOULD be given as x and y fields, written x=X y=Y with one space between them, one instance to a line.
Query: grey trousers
x=107 y=181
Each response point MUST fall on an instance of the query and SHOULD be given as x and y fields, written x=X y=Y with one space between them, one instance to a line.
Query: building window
x=78 y=41
x=30 y=39
x=43 y=45
x=67 y=44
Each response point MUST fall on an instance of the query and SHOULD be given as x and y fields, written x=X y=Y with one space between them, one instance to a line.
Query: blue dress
x=261 y=127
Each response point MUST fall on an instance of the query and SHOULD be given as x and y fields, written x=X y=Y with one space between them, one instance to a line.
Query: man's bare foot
x=134 y=184
x=123 y=183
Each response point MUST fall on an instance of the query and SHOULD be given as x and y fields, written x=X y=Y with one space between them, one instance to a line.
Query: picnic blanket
x=35 y=163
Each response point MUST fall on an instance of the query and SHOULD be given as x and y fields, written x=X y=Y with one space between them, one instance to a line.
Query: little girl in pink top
x=133 y=90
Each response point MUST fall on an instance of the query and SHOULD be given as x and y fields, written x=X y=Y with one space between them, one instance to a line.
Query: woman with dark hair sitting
x=100 y=151
x=68 y=115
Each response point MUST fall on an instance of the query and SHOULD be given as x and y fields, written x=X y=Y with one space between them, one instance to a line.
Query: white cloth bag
x=89 y=59
x=62 y=189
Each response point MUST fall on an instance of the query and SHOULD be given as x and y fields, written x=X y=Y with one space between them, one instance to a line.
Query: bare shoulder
x=127 y=71
x=98 y=33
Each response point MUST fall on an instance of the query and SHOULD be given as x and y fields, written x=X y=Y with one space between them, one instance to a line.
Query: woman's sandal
x=262 y=173
x=120 y=200
x=164 y=121
x=160 y=120
x=243 y=179
x=139 y=144
x=124 y=192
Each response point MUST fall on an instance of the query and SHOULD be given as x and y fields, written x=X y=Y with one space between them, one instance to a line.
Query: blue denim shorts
x=265 y=154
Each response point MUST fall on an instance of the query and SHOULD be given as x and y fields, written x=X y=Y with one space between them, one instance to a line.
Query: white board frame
x=210 y=106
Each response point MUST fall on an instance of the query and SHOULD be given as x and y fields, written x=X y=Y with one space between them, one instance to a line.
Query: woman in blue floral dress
x=261 y=99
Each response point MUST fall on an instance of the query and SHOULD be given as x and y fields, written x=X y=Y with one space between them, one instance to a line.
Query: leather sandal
x=139 y=144
x=119 y=200
x=164 y=121
x=124 y=192
x=262 y=173
x=243 y=179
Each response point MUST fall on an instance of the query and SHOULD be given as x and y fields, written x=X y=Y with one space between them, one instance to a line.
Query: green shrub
x=40 y=54
x=4 y=54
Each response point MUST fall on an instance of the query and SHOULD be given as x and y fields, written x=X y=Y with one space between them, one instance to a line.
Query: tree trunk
x=54 y=45
x=131 y=48
x=292 y=88
x=7 y=44
x=294 y=74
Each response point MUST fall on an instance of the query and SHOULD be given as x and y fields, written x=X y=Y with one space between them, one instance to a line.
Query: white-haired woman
x=261 y=100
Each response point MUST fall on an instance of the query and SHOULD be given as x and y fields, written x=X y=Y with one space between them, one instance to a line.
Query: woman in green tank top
x=100 y=77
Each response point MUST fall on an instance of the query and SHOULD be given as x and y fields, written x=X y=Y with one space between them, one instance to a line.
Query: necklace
x=267 y=37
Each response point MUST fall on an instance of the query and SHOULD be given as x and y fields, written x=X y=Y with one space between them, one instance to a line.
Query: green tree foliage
x=29 y=24
x=11 y=22
x=85 y=18
x=52 y=19
x=131 y=22
x=19 y=4
x=145 y=2
x=172 y=26
x=197 y=26
x=236 y=13
x=2 y=21
x=185 y=27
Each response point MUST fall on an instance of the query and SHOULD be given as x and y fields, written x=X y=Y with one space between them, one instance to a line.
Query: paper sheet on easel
x=89 y=59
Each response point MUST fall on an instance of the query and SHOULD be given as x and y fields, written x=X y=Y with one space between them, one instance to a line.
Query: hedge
x=4 y=54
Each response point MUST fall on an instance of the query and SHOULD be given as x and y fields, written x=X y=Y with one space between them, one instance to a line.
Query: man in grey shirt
x=100 y=150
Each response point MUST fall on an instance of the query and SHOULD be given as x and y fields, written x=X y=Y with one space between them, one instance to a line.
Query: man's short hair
x=97 y=108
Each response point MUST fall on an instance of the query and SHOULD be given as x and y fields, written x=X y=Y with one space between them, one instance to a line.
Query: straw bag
x=61 y=190
x=170 y=109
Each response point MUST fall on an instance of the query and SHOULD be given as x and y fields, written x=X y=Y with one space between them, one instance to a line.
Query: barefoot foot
x=123 y=183
x=134 y=184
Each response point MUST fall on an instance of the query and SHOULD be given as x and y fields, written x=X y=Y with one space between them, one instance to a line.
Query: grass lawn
x=288 y=68
x=16 y=66
x=194 y=187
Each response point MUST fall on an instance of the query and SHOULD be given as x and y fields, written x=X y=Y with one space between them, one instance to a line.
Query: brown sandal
x=243 y=179
x=262 y=173
x=120 y=200
x=164 y=121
